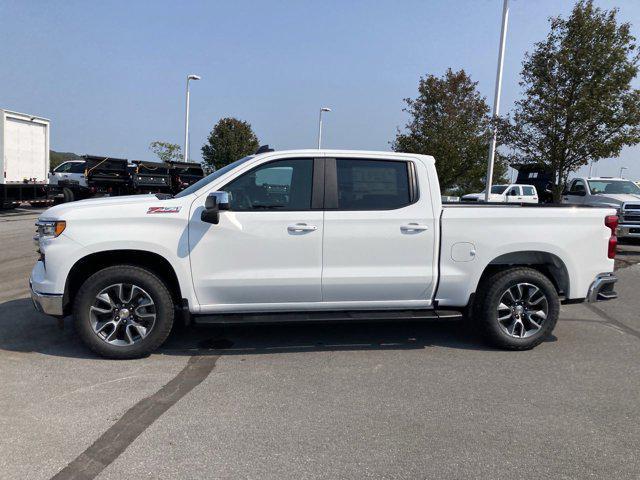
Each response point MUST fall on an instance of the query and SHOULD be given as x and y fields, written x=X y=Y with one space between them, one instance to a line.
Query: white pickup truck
x=316 y=234
x=506 y=194
x=607 y=192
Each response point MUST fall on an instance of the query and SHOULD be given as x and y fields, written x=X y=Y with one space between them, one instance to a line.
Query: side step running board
x=329 y=316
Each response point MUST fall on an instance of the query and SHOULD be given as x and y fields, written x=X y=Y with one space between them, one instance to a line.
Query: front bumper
x=602 y=288
x=49 y=303
x=628 y=230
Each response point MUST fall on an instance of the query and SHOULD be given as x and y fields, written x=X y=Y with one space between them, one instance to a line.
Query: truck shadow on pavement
x=22 y=329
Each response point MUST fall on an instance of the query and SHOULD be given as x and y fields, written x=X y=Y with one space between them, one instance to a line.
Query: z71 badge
x=163 y=210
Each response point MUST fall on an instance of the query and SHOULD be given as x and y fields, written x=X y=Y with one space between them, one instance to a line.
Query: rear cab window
x=364 y=184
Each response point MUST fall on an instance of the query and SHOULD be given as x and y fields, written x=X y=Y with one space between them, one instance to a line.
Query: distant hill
x=56 y=158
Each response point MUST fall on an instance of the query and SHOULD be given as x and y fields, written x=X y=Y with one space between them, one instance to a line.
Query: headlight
x=50 y=228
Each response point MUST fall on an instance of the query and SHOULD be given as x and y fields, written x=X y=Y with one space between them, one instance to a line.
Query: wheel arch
x=546 y=263
x=91 y=263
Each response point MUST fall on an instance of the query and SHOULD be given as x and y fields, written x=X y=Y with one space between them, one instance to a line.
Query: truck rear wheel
x=517 y=308
x=123 y=311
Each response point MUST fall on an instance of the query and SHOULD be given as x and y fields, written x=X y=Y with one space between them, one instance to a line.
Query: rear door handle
x=413 y=227
x=301 y=227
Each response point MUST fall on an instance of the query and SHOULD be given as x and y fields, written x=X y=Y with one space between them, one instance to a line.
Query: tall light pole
x=496 y=98
x=323 y=109
x=622 y=169
x=186 y=119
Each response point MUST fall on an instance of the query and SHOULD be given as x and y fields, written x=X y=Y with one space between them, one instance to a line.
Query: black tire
x=69 y=196
x=488 y=298
x=127 y=274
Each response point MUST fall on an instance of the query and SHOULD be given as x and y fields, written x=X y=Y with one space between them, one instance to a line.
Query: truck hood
x=64 y=210
x=618 y=199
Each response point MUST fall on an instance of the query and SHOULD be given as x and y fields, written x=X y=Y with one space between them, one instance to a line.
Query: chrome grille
x=631 y=213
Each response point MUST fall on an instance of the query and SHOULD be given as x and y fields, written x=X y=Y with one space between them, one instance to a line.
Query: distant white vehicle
x=506 y=194
x=71 y=171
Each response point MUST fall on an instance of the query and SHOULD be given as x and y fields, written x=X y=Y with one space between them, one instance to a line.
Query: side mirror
x=513 y=193
x=215 y=202
x=581 y=193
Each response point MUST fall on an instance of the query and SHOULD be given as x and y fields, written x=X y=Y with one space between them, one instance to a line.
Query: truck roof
x=343 y=153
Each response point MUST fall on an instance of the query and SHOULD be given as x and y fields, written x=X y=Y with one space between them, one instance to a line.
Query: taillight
x=611 y=221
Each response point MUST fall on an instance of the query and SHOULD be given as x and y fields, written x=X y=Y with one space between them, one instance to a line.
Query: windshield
x=211 y=177
x=613 y=187
x=498 y=189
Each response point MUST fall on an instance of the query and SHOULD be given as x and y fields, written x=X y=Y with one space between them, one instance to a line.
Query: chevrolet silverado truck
x=618 y=193
x=316 y=235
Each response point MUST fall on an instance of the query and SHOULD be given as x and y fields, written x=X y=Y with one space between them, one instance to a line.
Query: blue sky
x=111 y=75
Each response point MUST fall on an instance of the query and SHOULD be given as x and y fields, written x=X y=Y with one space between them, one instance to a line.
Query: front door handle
x=413 y=227
x=301 y=227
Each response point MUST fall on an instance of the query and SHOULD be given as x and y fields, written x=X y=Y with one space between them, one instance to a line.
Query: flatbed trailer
x=150 y=177
x=109 y=176
x=184 y=174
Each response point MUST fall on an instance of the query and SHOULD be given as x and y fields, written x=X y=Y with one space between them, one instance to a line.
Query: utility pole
x=185 y=155
x=496 y=98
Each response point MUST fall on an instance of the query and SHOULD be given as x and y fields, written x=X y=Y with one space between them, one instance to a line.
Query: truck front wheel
x=123 y=311
x=517 y=308
x=68 y=194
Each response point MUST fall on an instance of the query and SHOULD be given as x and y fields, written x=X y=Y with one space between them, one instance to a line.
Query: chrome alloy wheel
x=122 y=314
x=522 y=310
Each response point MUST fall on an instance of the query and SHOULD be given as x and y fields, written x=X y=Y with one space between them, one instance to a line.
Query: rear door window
x=528 y=191
x=372 y=184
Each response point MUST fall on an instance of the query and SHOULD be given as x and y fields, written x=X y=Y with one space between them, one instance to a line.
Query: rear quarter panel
x=577 y=236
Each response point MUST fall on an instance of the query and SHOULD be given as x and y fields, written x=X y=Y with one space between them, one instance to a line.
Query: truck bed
x=574 y=240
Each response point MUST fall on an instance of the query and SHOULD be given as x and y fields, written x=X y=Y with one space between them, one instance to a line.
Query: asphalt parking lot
x=367 y=400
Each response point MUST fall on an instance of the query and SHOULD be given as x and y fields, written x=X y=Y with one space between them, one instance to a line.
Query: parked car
x=618 y=193
x=311 y=235
x=506 y=194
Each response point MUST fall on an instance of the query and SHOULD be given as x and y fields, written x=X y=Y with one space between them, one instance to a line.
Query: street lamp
x=622 y=169
x=496 y=98
x=323 y=109
x=186 y=119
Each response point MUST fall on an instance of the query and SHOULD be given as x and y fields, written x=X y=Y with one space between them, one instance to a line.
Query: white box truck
x=24 y=158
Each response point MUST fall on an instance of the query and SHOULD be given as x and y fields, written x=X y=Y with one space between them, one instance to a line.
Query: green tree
x=578 y=104
x=166 y=151
x=450 y=121
x=230 y=140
